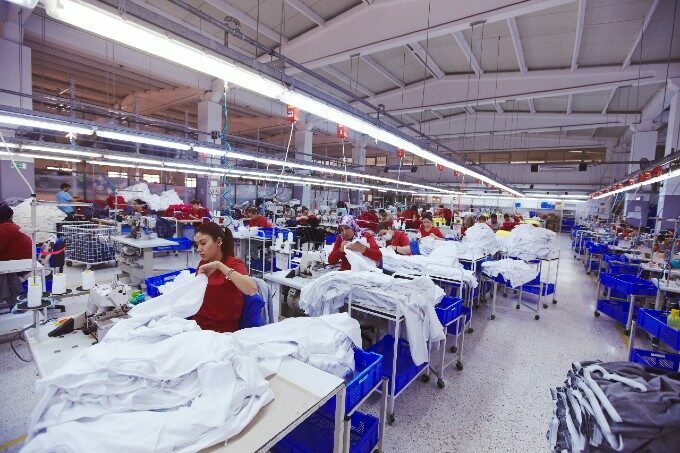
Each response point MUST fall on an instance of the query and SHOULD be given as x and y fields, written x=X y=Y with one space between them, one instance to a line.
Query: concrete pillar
x=303 y=152
x=15 y=76
x=643 y=146
x=669 y=195
x=359 y=163
x=210 y=112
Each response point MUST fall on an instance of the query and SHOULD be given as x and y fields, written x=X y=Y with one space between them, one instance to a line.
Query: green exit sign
x=19 y=165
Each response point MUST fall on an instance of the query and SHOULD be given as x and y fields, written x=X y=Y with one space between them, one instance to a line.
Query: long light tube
x=669 y=175
x=43 y=124
x=42 y=156
x=139 y=138
x=116 y=28
x=133 y=159
x=501 y=197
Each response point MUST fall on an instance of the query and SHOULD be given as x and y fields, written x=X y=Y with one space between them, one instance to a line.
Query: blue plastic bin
x=548 y=289
x=367 y=373
x=406 y=369
x=617 y=310
x=448 y=309
x=628 y=285
x=451 y=330
x=660 y=360
x=181 y=244
x=330 y=239
x=152 y=283
x=315 y=435
x=654 y=322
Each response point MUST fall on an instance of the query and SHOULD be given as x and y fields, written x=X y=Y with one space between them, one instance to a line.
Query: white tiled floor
x=499 y=402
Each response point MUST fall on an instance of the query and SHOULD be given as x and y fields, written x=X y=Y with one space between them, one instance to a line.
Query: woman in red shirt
x=395 y=239
x=428 y=229
x=349 y=231
x=14 y=245
x=256 y=220
x=228 y=279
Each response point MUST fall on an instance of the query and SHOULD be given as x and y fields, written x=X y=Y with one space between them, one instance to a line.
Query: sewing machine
x=312 y=264
x=141 y=227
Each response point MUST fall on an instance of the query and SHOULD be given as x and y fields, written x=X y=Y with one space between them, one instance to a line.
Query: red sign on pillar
x=292 y=114
x=401 y=153
x=440 y=167
x=343 y=132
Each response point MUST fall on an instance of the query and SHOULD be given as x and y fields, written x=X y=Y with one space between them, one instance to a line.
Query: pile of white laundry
x=46 y=215
x=181 y=278
x=441 y=262
x=516 y=272
x=155 y=202
x=481 y=237
x=528 y=242
x=415 y=299
x=158 y=383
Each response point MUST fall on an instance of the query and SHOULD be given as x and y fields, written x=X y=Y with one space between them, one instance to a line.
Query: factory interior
x=357 y=226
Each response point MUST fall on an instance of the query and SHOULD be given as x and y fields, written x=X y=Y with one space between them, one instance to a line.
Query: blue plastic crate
x=548 y=289
x=406 y=369
x=628 y=284
x=620 y=268
x=257 y=265
x=152 y=283
x=660 y=360
x=367 y=373
x=654 y=322
x=181 y=244
x=315 y=435
x=448 y=309
x=451 y=330
x=330 y=239
x=617 y=310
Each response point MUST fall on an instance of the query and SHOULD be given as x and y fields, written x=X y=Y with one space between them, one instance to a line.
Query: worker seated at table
x=350 y=232
x=411 y=213
x=64 y=196
x=14 y=245
x=394 y=239
x=228 y=279
x=140 y=206
x=305 y=216
x=428 y=229
x=468 y=222
x=257 y=220
x=385 y=216
x=444 y=213
x=482 y=219
x=493 y=223
x=198 y=212
x=508 y=223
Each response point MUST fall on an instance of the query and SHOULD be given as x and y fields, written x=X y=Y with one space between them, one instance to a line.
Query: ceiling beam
x=247 y=20
x=517 y=43
x=536 y=130
x=609 y=101
x=347 y=80
x=469 y=110
x=437 y=114
x=579 y=33
x=320 y=47
x=532 y=107
x=570 y=102
x=638 y=37
x=382 y=70
x=425 y=59
x=499 y=109
x=307 y=12
x=150 y=102
x=467 y=50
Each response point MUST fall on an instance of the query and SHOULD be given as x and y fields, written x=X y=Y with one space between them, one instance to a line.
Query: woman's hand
x=356 y=247
x=209 y=268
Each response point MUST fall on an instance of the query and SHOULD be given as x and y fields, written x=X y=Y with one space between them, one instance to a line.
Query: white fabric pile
x=159 y=383
x=359 y=262
x=528 y=242
x=441 y=262
x=181 y=278
x=415 y=299
x=46 y=215
x=155 y=202
x=516 y=272
x=481 y=237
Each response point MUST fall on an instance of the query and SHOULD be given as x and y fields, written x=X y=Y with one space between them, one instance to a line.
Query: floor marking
x=11 y=443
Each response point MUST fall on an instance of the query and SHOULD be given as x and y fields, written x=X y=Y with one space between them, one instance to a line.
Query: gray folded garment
x=10 y=288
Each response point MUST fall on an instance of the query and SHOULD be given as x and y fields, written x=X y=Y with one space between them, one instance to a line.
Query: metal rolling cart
x=89 y=244
x=654 y=322
x=625 y=290
x=546 y=285
x=398 y=366
x=500 y=280
x=453 y=318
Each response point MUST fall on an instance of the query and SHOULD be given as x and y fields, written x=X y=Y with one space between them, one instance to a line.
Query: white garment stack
x=441 y=262
x=415 y=299
x=159 y=383
x=528 y=242
x=516 y=272
x=481 y=237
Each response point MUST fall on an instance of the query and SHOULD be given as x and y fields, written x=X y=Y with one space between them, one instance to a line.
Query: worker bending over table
x=257 y=220
x=427 y=228
x=350 y=233
x=14 y=245
x=228 y=279
x=395 y=239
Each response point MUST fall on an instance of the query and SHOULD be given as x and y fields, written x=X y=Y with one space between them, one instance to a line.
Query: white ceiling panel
x=656 y=43
x=492 y=46
x=590 y=102
x=552 y=105
x=548 y=36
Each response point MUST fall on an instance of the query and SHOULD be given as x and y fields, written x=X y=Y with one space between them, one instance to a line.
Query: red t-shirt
x=14 y=245
x=223 y=301
x=337 y=255
x=260 y=222
x=434 y=231
x=399 y=239
x=408 y=214
x=508 y=225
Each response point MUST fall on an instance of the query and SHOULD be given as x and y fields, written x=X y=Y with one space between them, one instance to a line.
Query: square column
x=303 y=152
x=669 y=195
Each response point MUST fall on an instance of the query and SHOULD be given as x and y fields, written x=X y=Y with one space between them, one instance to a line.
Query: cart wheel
x=440 y=383
x=545 y=305
x=655 y=342
x=537 y=317
x=493 y=316
x=588 y=273
x=390 y=419
x=627 y=332
x=470 y=330
x=554 y=301
x=69 y=263
x=453 y=349
x=425 y=378
x=517 y=307
x=482 y=299
x=459 y=366
x=597 y=314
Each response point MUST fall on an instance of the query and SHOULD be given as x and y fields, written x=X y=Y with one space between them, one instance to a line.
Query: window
x=117 y=174
x=370 y=161
x=381 y=160
x=190 y=182
x=151 y=178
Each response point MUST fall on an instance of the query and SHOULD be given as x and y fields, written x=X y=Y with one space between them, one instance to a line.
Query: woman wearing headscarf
x=349 y=232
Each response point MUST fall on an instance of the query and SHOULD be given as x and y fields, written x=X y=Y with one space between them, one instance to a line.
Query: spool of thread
x=59 y=283
x=88 y=279
x=34 y=291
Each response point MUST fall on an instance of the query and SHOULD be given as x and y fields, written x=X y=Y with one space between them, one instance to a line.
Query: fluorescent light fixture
x=538 y=195
x=59 y=168
x=669 y=175
x=116 y=28
x=133 y=159
x=67 y=151
x=498 y=197
x=41 y=156
x=21 y=120
x=139 y=138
